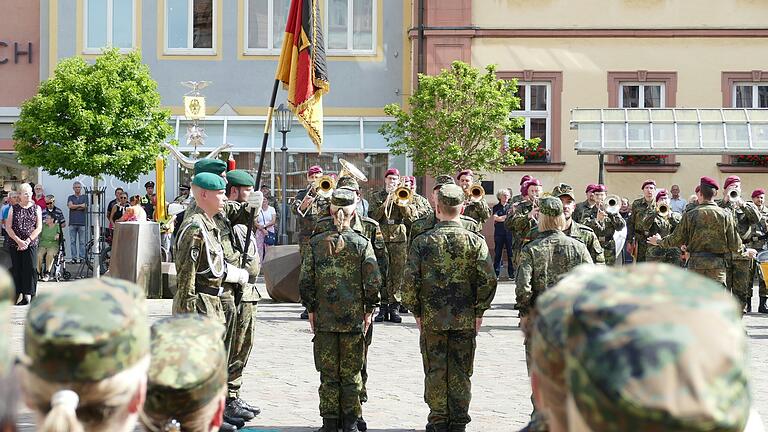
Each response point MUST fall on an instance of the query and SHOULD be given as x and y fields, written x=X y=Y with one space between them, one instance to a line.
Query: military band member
x=427 y=222
x=477 y=210
x=394 y=222
x=636 y=237
x=746 y=215
x=709 y=233
x=421 y=203
x=307 y=208
x=654 y=222
x=604 y=224
x=583 y=209
x=523 y=219
x=449 y=284
x=519 y=197
x=543 y=262
x=759 y=242
x=574 y=229
x=339 y=285
x=694 y=200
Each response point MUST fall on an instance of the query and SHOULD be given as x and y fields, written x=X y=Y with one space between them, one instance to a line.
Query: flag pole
x=267 y=126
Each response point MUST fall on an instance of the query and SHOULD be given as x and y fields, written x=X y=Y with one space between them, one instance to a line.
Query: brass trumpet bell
x=612 y=204
x=476 y=192
x=324 y=186
x=403 y=196
x=349 y=170
x=663 y=210
x=734 y=194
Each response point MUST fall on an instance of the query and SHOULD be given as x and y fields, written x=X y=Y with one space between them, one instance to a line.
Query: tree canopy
x=458 y=119
x=94 y=119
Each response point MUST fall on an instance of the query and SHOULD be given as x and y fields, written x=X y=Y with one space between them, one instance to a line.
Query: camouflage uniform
x=690 y=206
x=306 y=223
x=585 y=235
x=634 y=232
x=740 y=278
x=604 y=231
x=426 y=223
x=654 y=348
x=710 y=235
x=478 y=210
x=339 y=282
x=758 y=242
x=653 y=224
x=449 y=283
x=188 y=369
x=520 y=225
x=582 y=211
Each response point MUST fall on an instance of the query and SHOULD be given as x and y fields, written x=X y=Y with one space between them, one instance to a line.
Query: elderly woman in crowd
x=23 y=225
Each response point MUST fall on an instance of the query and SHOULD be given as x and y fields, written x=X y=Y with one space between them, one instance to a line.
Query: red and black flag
x=302 y=68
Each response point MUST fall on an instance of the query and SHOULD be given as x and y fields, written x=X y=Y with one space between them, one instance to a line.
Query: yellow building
x=599 y=54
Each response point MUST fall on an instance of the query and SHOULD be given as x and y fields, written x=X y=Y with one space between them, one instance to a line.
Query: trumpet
x=734 y=194
x=475 y=193
x=611 y=205
x=663 y=210
x=324 y=186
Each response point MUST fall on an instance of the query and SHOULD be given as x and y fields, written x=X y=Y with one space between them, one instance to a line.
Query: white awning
x=670 y=130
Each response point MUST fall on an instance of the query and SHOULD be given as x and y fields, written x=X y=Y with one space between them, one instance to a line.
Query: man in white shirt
x=676 y=203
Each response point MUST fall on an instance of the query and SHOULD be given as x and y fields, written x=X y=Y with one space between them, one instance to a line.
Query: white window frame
x=641 y=94
x=270 y=31
x=110 y=8
x=528 y=114
x=350 y=51
x=191 y=32
x=754 y=86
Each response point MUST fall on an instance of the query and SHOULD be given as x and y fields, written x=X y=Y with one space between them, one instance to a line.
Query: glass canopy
x=670 y=131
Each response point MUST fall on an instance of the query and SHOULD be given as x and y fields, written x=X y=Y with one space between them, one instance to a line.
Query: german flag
x=302 y=68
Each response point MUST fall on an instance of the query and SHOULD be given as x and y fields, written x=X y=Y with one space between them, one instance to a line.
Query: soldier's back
x=554 y=254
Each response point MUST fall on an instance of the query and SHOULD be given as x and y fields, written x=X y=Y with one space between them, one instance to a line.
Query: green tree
x=94 y=119
x=459 y=119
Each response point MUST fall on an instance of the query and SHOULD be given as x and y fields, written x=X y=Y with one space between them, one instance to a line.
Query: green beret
x=653 y=347
x=86 y=330
x=209 y=181
x=563 y=189
x=443 y=180
x=343 y=197
x=550 y=206
x=450 y=195
x=189 y=365
x=348 y=183
x=7 y=299
x=240 y=178
x=214 y=166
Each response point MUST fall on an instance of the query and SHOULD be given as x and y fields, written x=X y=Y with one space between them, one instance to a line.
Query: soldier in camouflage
x=604 y=224
x=746 y=215
x=8 y=385
x=522 y=220
x=574 y=229
x=543 y=262
x=606 y=323
x=519 y=197
x=584 y=208
x=709 y=233
x=477 y=210
x=86 y=356
x=636 y=237
x=759 y=242
x=420 y=202
x=339 y=284
x=449 y=284
x=187 y=376
x=427 y=222
x=653 y=222
x=394 y=222
x=308 y=207
x=368 y=228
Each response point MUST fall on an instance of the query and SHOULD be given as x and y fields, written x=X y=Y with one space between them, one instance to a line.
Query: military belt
x=707 y=255
x=216 y=292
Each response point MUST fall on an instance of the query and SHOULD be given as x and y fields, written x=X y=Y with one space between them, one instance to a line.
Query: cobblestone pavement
x=281 y=378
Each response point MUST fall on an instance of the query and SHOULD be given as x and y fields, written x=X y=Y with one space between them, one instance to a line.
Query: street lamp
x=283 y=118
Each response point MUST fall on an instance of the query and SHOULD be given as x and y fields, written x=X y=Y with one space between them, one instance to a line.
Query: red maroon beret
x=524 y=179
x=590 y=188
x=599 y=188
x=709 y=181
x=465 y=172
x=758 y=192
x=529 y=183
x=392 y=171
x=731 y=180
x=314 y=169
x=648 y=182
x=661 y=194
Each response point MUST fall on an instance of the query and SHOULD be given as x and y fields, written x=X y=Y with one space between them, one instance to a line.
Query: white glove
x=236 y=275
x=255 y=200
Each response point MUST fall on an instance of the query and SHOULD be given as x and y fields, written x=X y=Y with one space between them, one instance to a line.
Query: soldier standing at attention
x=449 y=284
x=308 y=208
x=543 y=262
x=604 y=224
x=394 y=221
x=574 y=229
x=583 y=209
x=427 y=222
x=746 y=215
x=636 y=237
x=709 y=233
x=758 y=242
x=477 y=210
x=339 y=285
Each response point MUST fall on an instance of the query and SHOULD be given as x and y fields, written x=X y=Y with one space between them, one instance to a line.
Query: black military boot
x=226 y=427
x=457 y=428
x=763 y=308
x=245 y=405
x=305 y=314
x=233 y=409
x=350 y=423
x=394 y=313
x=440 y=427
x=362 y=426
x=383 y=314
x=329 y=425
x=234 y=421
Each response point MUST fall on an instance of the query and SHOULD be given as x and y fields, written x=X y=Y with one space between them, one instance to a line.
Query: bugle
x=475 y=193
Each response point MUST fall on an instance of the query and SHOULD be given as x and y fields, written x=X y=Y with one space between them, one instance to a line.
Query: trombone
x=402 y=196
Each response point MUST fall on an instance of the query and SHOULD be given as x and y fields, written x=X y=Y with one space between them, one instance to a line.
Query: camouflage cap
x=563 y=189
x=450 y=195
x=443 y=180
x=7 y=299
x=550 y=206
x=240 y=178
x=343 y=197
x=348 y=182
x=213 y=166
x=654 y=347
x=86 y=330
x=189 y=365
